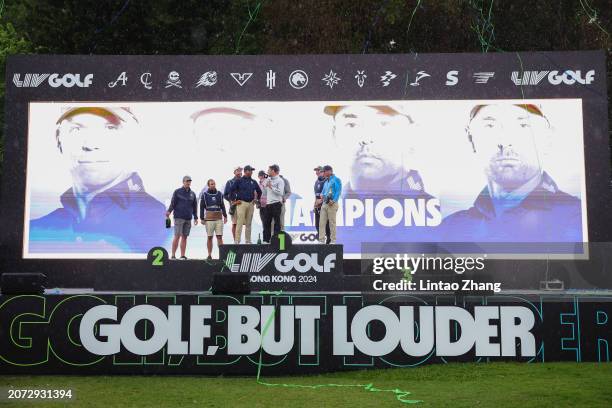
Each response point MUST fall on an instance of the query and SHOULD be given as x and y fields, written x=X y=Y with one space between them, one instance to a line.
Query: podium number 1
x=281 y=242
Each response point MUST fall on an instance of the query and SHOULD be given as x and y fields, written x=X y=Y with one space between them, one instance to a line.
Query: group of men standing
x=244 y=194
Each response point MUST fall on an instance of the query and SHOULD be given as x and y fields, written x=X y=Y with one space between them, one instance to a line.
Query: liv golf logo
x=554 y=77
x=254 y=262
x=54 y=80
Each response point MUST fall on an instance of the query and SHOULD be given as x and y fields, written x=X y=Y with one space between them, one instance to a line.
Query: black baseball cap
x=248 y=168
x=327 y=167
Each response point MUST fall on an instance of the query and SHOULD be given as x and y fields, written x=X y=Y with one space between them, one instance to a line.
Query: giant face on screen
x=100 y=175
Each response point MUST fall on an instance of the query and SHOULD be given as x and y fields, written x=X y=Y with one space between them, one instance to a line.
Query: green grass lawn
x=453 y=385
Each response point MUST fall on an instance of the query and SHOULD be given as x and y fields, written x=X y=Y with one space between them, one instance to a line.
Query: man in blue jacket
x=329 y=204
x=184 y=204
x=245 y=192
x=318 y=187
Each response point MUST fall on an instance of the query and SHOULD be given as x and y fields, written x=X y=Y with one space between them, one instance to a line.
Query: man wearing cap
x=521 y=202
x=318 y=187
x=379 y=143
x=245 y=191
x=232 y=202
x=332 y=188
x=184 y=205
x=107 y=209
x=212 y=214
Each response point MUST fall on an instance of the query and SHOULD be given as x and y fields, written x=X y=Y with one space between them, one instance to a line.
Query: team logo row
x=299 y=79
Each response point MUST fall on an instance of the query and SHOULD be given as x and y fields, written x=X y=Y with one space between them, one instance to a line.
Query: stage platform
x=305 y=310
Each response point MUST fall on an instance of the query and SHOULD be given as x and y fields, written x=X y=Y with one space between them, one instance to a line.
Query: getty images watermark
x=410 y=265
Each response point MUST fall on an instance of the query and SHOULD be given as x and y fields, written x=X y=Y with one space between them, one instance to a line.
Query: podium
x=286 y=267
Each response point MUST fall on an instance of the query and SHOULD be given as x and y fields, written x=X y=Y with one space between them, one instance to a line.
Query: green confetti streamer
x=592 y=15
x=252 y=16
x=400 y=395
x=412 y=15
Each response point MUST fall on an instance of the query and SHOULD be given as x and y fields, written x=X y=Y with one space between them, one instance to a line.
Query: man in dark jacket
x=212 y=214
x=245 y=192
x=184 y=204
x=226 y=195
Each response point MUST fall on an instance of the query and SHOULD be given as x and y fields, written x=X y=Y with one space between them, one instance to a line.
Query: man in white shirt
x=274 y=191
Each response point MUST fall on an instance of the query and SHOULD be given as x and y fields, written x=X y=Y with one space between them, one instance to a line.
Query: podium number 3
x=158 y=255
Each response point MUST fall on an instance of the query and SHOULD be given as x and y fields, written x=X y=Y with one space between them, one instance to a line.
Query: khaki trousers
x=328 y=214
x=244 y=216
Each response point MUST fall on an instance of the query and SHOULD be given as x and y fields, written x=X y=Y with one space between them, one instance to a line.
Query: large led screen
x=100 y=175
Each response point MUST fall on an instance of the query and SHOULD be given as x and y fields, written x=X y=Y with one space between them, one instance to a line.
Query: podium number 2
x=158 y=256
x=281 y=242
